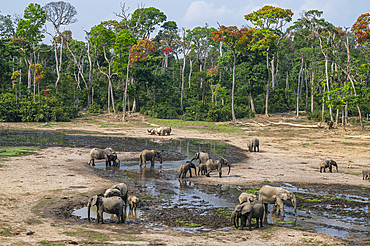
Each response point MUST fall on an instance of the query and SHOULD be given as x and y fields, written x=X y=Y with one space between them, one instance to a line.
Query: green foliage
x=49 y=109
x=95 y=109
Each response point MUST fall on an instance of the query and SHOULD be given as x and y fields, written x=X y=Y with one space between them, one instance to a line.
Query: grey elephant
x=254 y=145
x=185 y=167
x=202 y=169
x=133 y=201
x=154 y=131
x=246 y=197
x=202 y=157
x=365 y=174
x=122 y=187
x=149 y=155
x=328 y=164
x=277 y=196
x=112 y=192
x=108 y=154
x=247 y=211
x=110 y=205
x=212 y=164
x=164 y=131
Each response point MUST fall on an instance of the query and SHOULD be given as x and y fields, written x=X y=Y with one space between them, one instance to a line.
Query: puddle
x=131 y=215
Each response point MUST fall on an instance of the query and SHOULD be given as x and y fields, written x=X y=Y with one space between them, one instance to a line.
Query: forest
x=148 y=64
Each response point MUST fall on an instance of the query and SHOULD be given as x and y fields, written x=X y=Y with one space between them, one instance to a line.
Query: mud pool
x=168 y=202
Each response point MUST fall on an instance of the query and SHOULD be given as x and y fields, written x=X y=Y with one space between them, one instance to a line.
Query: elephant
x=153 y=131
x=164 y=131
x=248 y=211
x=108 y=154
x=110 y=205
x=112 y=192
x=253 y=145
x=328 y=164
x=185 y=167
x=246 y=197
x=277 y=196
x=202 y=169
x=365 y=174
x=133 y=202
x=202 y=157
x=149 y=155
x=122 y=187
x=212 y=164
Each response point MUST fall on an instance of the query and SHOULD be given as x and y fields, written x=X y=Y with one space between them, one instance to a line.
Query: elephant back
x=246 y=197
x=257 y=207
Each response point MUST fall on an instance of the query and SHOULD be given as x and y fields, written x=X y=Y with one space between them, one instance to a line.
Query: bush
x=29 y=111
x=95 y=109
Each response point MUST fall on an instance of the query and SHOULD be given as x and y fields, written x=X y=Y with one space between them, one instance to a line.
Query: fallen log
x=296 y=125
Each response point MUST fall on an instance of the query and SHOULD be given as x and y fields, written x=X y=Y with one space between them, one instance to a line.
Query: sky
x=193 y=13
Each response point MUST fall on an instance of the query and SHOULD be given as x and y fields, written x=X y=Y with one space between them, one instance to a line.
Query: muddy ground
x=40 y=192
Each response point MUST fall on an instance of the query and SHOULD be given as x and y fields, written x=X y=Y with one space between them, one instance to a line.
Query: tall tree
x=269 y=22
x=30 y=27
x=232 y=37
x=59 y=14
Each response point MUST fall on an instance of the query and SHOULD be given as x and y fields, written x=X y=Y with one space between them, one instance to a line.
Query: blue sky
x=189 y=14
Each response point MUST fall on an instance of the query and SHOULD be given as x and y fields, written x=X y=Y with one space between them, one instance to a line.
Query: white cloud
x=201 y=11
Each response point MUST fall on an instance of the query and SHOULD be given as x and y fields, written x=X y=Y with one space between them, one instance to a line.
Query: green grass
x=199 y=125
x=17 y=151
x=41 y=205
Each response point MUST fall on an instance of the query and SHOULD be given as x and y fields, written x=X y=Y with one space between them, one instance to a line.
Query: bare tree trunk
x=287 y=81
x=299 y=86
x=191 y=70
x=312 y=79
x=233 y=88
x=337 y=117
x=112 y=97
x=323 y=106
x=273 y=72
x=268 y=82
x=327 y=84
x=125 y=92
x=251 y=97
x=305 y=76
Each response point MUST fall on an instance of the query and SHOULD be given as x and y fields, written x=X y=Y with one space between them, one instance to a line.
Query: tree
x=362 y=29
x=59 y=14
x=103 y=37
x=268 y=22
x=232 y=37
x=6 y=26
x=146 y=19
x=30 y=28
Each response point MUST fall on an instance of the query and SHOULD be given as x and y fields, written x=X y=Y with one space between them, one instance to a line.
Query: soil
x=39 y=192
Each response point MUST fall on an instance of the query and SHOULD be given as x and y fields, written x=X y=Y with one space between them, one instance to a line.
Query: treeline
x=207 y=73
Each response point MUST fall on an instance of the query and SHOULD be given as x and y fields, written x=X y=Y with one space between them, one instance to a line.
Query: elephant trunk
x=229 y=168
x=235 y=219
x=294 y=202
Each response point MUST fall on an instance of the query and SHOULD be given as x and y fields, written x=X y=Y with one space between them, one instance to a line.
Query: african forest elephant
x=201 y=156
x=149 y=155
x=108 y=154
x=202 y=169
x=277 y=195
x=164 y=131
x=133 y=201
x=328 y=164
x=212 y=164
x=253 y=145
x=247 y=211
x=184 y=168
x=246 y=197
x=112 y=192
x=365 y=174
x=122 y=187
x=110 y=205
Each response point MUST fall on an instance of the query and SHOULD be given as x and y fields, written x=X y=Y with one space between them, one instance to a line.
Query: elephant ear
x=284 y=196
x=247 y=207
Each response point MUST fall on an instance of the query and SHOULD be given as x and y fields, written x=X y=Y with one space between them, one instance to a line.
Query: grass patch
x=17 y=151
x=5 y=233
x=34 y=221
x=267 y=233
x=267 y=181
x=187 y=223
x=88 y=234
x=199 y=125
x=41 y=205
x=47 y=243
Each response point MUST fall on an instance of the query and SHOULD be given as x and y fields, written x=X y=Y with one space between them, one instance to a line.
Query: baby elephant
x=365 y=174
x=328 y=164
x=245 y=212
x=253 y=145
x=202 y=169
x=133 y=201
x=184 y=168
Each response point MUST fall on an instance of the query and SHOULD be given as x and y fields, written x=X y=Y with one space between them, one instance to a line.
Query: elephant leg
x=250 y=223
x=320 y=169
x=266 y=208
x=258 y=222
x=152 y=162
x=280 y=208
x=330 y=169
x=190 y=173
x=242 y=222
